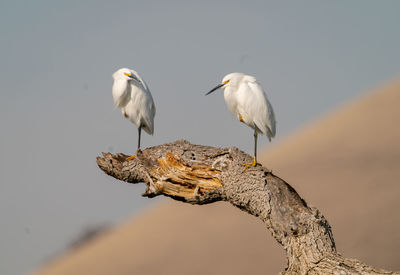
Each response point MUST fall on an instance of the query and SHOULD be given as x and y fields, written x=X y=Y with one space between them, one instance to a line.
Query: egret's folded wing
x=261 y=110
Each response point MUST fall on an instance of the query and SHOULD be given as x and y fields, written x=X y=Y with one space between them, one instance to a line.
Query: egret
x=248 y=102
x=132 y=95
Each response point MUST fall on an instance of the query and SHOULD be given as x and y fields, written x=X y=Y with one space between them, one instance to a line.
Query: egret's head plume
x=232 y=79
x=125 y=73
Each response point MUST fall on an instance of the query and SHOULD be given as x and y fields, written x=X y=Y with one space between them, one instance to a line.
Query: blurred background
x=57 y=113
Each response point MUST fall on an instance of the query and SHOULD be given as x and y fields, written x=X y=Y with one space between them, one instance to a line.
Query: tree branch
x=199 y=174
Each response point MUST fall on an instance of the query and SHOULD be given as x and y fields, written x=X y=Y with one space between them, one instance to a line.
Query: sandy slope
x=347 y=164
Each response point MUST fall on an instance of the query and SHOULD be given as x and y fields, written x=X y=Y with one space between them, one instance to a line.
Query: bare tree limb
x=199 y=174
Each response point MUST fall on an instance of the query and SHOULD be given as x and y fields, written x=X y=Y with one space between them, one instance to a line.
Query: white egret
x=249 y=103
x=132 y=95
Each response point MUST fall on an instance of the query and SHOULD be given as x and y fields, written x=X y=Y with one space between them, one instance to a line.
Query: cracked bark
x=199 y=174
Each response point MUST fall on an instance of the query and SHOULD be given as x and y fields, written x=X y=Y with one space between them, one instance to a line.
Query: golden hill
x=346 y=164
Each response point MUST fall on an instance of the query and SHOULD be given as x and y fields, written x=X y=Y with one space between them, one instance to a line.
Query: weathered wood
x=199 y=174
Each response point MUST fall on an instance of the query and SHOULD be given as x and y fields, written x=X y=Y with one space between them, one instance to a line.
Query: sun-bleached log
x=199 y=174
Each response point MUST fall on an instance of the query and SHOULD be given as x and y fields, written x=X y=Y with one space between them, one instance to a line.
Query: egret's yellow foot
x=247 y=165
x=130 y=158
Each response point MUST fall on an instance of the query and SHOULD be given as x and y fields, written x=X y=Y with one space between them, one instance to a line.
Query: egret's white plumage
x=248 y=102
x=132 y=95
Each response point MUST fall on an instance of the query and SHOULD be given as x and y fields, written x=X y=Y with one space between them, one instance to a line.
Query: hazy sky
x=57 y=113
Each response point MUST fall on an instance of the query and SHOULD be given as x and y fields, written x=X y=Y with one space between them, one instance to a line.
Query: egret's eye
x=127 y=74
x=225 y=82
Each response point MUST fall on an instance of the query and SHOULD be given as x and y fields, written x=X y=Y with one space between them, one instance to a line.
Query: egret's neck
x=228 y=93
x=121 y=83
x=230 y=99
x=121 y=92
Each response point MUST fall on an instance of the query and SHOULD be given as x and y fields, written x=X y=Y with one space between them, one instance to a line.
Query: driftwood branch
x=202 y=174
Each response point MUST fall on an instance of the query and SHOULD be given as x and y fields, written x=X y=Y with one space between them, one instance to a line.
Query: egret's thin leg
x=139 y=132
x=255 y=147
x=254 y=163
x=138 y=146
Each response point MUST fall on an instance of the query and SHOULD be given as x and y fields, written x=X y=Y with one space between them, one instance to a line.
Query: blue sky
x=57 y=113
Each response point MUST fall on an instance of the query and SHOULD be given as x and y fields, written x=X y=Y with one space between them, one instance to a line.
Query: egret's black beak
x=216 y=88
x=132 y=76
